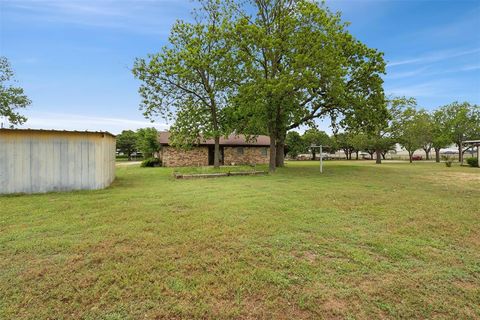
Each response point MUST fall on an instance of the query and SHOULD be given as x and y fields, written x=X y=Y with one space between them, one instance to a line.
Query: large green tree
x=127 y=142
x=295 y=144
x=440 y=134
x=147 y=141
x=12 y=98
x=461 y=122
x=345 y=142
x=377 y=121
x=190 y=79
x=299 y=63
x=315 y=137
x=409 y=129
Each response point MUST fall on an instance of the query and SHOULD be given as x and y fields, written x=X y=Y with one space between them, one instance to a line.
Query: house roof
x=53 y=131
x=231 y=140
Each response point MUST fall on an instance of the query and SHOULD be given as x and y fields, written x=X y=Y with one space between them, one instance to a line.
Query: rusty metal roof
x=231 y=140
x=54 y=131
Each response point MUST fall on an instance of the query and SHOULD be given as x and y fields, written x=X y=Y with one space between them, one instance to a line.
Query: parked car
x=417 y=158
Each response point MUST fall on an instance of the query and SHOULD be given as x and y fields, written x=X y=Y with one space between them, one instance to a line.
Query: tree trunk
x=384 y=154
x=427 y=154
x=410 y=155
x=437 y=154
x=273 y=153
x=460 y=153
x=313 y=154
x=379 y=157
x=371 y=154
x=216 y=153
x=280 y=160
x=356 y=157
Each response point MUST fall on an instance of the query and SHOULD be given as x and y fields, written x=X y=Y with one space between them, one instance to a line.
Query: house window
x=240 y=150
x=264 y=152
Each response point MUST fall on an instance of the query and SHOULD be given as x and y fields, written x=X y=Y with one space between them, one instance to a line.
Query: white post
x=321 y=160
x=478 y=154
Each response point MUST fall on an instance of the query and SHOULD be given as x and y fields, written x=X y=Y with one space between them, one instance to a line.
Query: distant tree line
x=144 y=140
x=406 y=125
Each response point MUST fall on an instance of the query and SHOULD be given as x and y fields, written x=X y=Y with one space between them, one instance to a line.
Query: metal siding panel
x=91 y=164
x=35 y=176
x=3 y=165
x=84 y=170
x=52 y=162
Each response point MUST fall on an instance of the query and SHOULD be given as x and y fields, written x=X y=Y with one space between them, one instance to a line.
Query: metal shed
x=35 y=161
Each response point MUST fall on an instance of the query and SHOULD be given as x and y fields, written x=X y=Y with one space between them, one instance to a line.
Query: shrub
x=472 y=162
x=448 y=161
x=151 y=162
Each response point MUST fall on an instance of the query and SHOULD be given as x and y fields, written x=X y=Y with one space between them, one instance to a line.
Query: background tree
x=189 y=80
x=440 y=135
x=425 y=126
x=127 y=142
x=11 y=98
x=295 y=144
x=462 y=122
x=315 y=137
x=386 y=145
x=378 y=122
x=360 y=142
x=299 y=63
x=147 y=141
x=344 y=142
x=409 y=130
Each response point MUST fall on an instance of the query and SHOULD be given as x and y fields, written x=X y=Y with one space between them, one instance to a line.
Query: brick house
x=234 y=150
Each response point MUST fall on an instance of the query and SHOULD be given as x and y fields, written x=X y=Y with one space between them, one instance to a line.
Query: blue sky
x=73 y=57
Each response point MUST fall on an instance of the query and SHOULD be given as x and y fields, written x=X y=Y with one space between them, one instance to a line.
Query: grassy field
x=360 y=241
x=222 y=169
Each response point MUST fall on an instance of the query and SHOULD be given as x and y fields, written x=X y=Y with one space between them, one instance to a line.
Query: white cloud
x=423 y=72
x=434 y=57
x=154 y=17
x=406 y=74
x=60 y=121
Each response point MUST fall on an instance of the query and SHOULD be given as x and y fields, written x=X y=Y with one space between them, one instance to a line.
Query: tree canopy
x=410 y=130
x=299 y=64
x=259 y=67
x=127 y=142
x=296 y=144
x=461 y=121
x=12 y=98
x=147 y=141
x=189 y=81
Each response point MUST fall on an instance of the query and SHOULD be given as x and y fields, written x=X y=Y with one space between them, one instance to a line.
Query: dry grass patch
x=360 y=241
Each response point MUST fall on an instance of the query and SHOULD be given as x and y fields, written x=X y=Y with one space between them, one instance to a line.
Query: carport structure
x=474 y=143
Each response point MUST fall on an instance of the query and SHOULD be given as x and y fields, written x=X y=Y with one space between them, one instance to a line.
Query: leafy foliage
x=461 y=121
x=127 y=142
x=189 y=81
x=295 y=144
x=151 y=162
x=11 y=98
x=147 y=141
x=410 y=129
x=472 y=162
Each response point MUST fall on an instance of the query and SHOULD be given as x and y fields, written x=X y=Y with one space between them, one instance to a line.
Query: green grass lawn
x=221 y=169
x=361 y=241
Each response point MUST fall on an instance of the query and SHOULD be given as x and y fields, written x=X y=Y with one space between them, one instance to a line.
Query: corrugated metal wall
x=42 y=161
